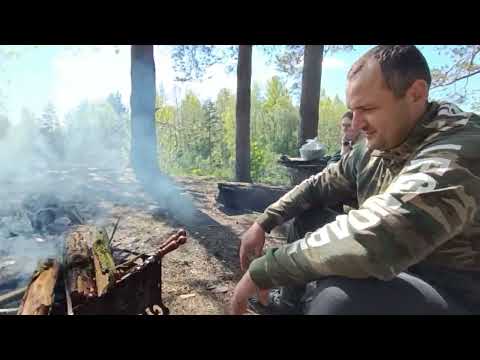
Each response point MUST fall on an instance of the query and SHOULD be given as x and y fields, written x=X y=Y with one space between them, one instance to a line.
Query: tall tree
x=288 y=60
x=51 y=131
x=97 y=135
x=242 y=133
x=167 y=131
x=280 y=119
x=212 y=127
x=49 y=121
x=192 y=61
x=142 y=105
x=329 y=132
x=310 y=97
x=225 y=104
x=192 y=128
x=115 y=100
x=144 y=140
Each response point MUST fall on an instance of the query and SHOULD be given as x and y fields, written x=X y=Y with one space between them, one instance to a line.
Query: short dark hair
x=401 y=65
x=348 y=114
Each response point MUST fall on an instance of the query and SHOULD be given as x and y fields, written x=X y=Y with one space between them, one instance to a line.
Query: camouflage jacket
x=418 y=203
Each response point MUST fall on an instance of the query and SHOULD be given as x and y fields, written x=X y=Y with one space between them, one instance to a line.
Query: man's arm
x=336 y=183
x=431 y=201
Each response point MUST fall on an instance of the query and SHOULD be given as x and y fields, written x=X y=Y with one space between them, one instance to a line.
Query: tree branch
x=457 y=79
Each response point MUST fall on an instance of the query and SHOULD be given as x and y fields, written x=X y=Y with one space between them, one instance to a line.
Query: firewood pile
x=89 y=282
x=86 y=279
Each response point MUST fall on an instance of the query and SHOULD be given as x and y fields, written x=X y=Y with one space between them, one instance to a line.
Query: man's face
x=383 y=118
x=348 y=131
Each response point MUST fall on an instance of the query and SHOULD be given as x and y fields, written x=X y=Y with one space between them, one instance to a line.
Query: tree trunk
x=142 y=103
x=144 y=158
x=242 y=133
x=310 y=97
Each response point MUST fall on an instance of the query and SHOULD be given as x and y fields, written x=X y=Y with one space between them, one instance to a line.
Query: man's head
x=348 y=131
x=387 y=91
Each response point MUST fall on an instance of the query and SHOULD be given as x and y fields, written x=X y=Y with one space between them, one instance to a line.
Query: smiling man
x=350 y=135
x=413 y=245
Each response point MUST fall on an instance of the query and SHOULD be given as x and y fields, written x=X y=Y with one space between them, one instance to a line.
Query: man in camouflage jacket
x=413 y=244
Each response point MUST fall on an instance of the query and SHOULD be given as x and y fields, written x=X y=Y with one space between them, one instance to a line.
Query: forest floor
x=198 y=277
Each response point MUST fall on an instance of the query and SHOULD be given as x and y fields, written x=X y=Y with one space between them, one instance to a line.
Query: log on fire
x=79 y=265
x=39 y=296
x=103 y=262
x=134 y=287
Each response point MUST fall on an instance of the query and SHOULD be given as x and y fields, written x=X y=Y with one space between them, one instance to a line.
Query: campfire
x=85 y=279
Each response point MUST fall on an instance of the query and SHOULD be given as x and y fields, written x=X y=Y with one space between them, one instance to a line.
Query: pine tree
x=51 y=132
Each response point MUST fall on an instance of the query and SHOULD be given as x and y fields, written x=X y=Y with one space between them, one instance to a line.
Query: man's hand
x=245 y=289
x=251 y=245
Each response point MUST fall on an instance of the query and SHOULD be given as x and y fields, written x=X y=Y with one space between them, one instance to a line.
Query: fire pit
x=88 y=282
x=38 y=219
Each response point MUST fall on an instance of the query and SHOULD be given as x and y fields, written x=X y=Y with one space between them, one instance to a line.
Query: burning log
x=138 y=288
x=79 y=265
x=103 y=262
x=134 y=287
x=39 y=297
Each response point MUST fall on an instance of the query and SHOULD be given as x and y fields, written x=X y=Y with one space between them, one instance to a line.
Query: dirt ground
x=198 y=277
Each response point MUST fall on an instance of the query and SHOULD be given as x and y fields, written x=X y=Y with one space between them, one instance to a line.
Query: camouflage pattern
x=418 y=204
x=338 y=155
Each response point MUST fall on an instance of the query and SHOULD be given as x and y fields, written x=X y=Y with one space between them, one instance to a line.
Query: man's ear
x=418 y=91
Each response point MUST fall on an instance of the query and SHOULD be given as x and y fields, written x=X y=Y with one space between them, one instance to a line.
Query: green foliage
x=191 y=62
x=198 y=138
x=329 y=130
x=289 y=61
x=115 y=100
x=257 y=160
x=98 y=133
x=52 y=133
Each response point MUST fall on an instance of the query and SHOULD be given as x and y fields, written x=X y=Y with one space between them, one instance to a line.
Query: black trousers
x=407 y=294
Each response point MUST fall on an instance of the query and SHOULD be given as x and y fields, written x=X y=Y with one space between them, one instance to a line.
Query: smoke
x=169 y=196
x=84 y=163
x=144 y=155
x=82 y=159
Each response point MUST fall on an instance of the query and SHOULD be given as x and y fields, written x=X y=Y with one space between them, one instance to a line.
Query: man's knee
x=403 y=295
x=328 y=298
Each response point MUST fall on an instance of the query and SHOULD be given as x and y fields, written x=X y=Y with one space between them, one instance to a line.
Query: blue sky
x=66 y=77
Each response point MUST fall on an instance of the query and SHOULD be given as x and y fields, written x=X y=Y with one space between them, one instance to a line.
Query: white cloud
x=332 y=63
